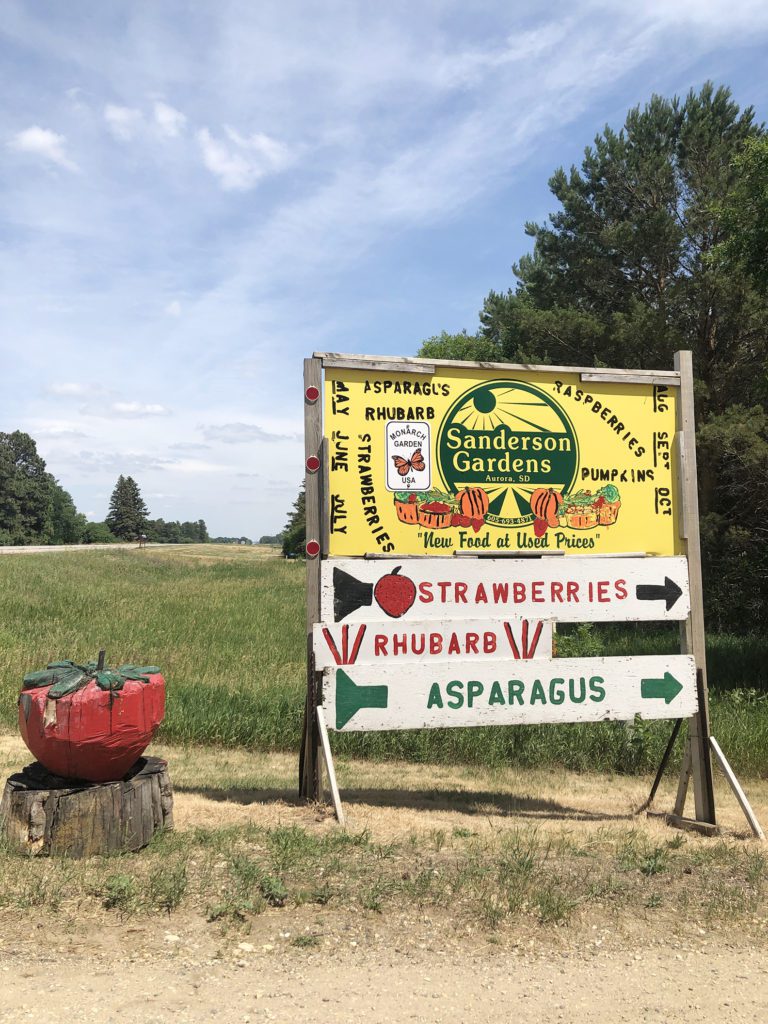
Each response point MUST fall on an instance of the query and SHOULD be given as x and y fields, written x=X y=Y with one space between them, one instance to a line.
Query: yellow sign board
x=481 y=461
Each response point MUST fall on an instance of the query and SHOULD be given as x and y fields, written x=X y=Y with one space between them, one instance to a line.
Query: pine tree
x=127 y=516
x=295 y=532
x=26 y=492
x=658 y=244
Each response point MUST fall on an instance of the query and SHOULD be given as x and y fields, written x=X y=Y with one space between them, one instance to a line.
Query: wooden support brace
x=738 y=792
x=328 y=756
x=662 y=767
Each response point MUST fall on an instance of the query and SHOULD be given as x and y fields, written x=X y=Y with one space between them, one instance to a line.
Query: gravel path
x=668 y=984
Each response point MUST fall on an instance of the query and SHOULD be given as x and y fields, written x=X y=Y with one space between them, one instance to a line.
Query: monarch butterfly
x=404 y=466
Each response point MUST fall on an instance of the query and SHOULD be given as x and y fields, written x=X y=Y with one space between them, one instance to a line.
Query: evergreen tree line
x=35 y=508
x=659 y=242
x=128 y=519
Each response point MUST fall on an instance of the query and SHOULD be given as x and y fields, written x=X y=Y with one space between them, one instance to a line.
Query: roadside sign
x=472 y=639
x=477 y=459
x=561 y=589
x=432 y=695
x=413 y=460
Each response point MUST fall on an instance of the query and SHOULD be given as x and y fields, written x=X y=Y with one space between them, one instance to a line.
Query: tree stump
x=43 y=814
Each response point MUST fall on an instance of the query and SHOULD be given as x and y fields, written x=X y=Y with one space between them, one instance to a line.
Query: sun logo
x=509 y=438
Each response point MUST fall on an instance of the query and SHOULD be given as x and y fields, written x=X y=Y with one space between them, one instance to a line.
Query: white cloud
x=68 y=388
x=44 y=143
x=243 y=433
x=58 y=432
x=173 y=308
x=124 y=410
x=138 y=409
x=117 y=462
x=123 y=122
x=169 y=121
x=188 y=446
x=243 y=161
x=199 y=466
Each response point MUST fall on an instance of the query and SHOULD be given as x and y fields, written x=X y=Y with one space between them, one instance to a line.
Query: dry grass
x=499 y=851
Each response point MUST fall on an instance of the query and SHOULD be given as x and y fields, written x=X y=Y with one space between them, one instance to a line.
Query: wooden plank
x=326 y=747
x=497 y=554
x=396 y=363
x=663 y=379
x=309 y=761
x=403 y=365
x=475 y=639
x=738 y=792
x=692 y=634
x=436 y=694
x=562 y=589
x=704 y=828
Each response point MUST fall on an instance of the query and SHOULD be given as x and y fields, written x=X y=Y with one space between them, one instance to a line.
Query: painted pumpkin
x=473 y=502
x=544 y=504
x=94 y=727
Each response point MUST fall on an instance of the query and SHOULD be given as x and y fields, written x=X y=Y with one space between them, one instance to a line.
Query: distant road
x=37 y=549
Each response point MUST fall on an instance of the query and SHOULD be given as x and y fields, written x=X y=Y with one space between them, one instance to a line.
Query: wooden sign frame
x=315 y=744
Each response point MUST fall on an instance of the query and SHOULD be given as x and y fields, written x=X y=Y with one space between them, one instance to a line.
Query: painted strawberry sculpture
x=91 y=723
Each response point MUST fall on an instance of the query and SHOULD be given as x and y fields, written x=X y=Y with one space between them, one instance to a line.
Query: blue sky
x=198 y=195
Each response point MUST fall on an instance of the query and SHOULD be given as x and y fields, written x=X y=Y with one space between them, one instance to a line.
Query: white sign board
x=561 y=589
x=371 y=643
x=437 y=694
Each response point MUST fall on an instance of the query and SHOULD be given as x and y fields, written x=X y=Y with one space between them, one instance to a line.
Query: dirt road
x=375 y=983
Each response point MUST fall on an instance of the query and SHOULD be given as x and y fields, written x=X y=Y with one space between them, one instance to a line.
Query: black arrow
x=668 y=592
x=349 y=594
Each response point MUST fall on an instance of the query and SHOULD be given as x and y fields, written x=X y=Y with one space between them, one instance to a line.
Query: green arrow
x=350 y=697
x=666 y=688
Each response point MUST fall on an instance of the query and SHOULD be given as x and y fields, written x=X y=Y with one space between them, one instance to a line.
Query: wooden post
x=692 y=636
x=309 y=760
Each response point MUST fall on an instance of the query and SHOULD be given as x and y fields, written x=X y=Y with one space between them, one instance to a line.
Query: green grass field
x=226 y=625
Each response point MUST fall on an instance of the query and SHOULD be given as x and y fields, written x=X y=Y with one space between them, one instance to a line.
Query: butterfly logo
x=415 y=464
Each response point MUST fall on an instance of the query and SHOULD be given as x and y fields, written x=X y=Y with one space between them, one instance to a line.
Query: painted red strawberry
x=395 y=594
x=477 y=524
x=539 y=527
